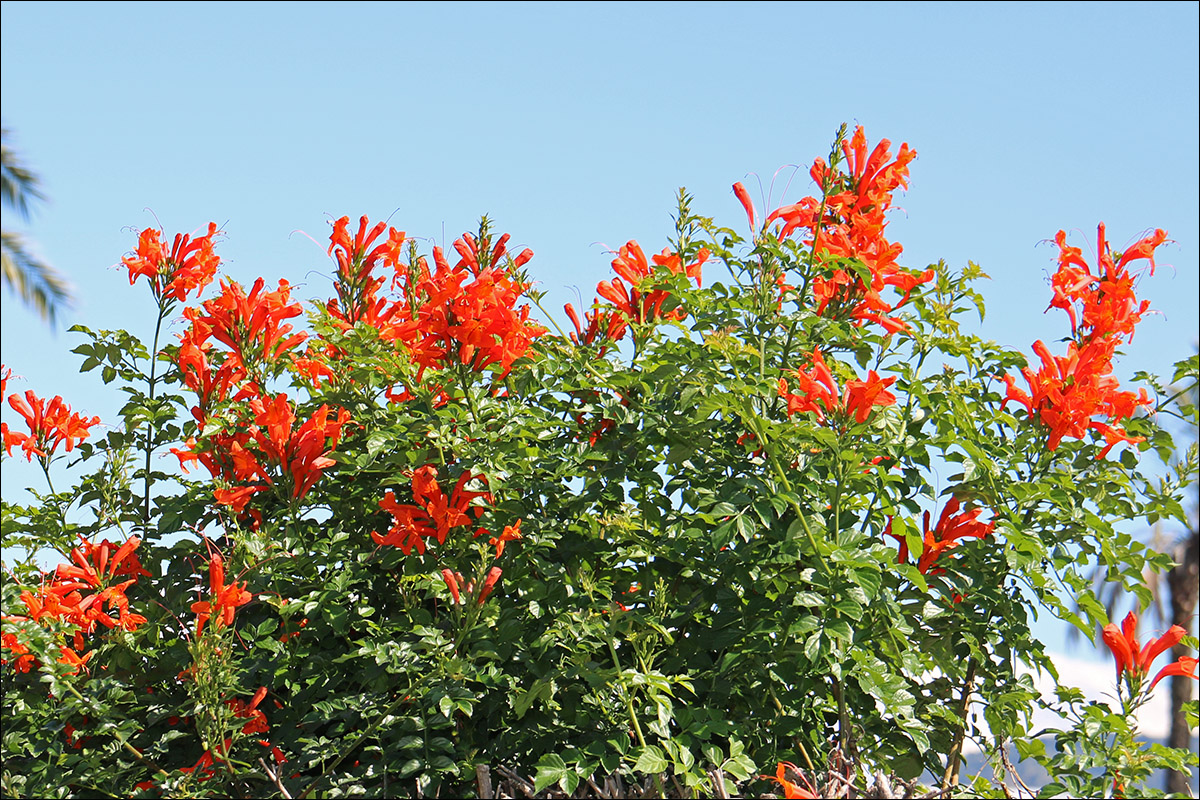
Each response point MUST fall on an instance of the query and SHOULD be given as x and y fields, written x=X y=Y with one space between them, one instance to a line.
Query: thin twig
x=599 y=792
x=954 y=761
x=275 y=780
x=1013 y=770
x=525 y=785
x=718 y=777
x=849 y=783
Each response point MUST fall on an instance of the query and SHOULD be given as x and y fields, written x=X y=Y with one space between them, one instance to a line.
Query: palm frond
x=35 y=282
x=19 y=186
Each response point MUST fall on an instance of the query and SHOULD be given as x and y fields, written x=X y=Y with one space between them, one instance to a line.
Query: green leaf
x=850 y=607
x=812 y=646
x=651 y=761
x=550 y=770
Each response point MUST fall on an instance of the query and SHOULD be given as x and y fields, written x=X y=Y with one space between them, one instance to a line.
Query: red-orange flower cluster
x=1068 y=393
x=223 y=601
x=478 y=322
x=251 y=325
x=1134 y=660
x=432 y=513
x=1103 y=304
x=952 y=526
x=635 y=304
x=466 y=314
x=608 y=325
x=817 y=392
x=357 y=286
x=459 y=587
x=50 y=423
x=190 y=264
x=83 y=593
x=302 y=453
x=250 y=710
x=849 y=222
x=272 y=439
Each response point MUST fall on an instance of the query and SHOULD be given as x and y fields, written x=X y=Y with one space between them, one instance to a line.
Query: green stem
x=62 y=512
x=835 y=517
x=950 y=778
x=804 y=753
x=162 y=313
x=551 y=319
x=760 y=432
x=843 y=719
x=637 y=726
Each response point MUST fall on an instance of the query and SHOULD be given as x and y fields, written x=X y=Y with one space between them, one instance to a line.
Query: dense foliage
x=767 y=502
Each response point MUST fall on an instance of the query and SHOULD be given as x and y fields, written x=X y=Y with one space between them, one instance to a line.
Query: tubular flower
x=1133 y=661
x=1185 y=666
x=816 y=392
x=790 y=789
x=50 y=424
x=848 y=223
x=743 y=196
x=189 y=266
x=357 y=286
x=951 y=527
x=1069 y=393
x=302 y=454
x=258 y=720
x=204 y=769
x=89 y=590
x=74 y=660
x=628 y=296
x=467 y=313
x=237 y=497
x=251 y=325
x=432 y=514
x=489 y=583
x=223 y=601
x=452 y=582
x=511 y=533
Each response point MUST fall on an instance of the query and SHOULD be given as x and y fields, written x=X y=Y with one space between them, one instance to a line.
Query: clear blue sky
x=573 y=125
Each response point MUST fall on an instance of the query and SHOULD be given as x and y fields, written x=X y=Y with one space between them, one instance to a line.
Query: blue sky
x=573 y=125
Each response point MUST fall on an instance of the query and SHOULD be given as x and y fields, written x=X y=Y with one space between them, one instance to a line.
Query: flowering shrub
x=433 y=538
